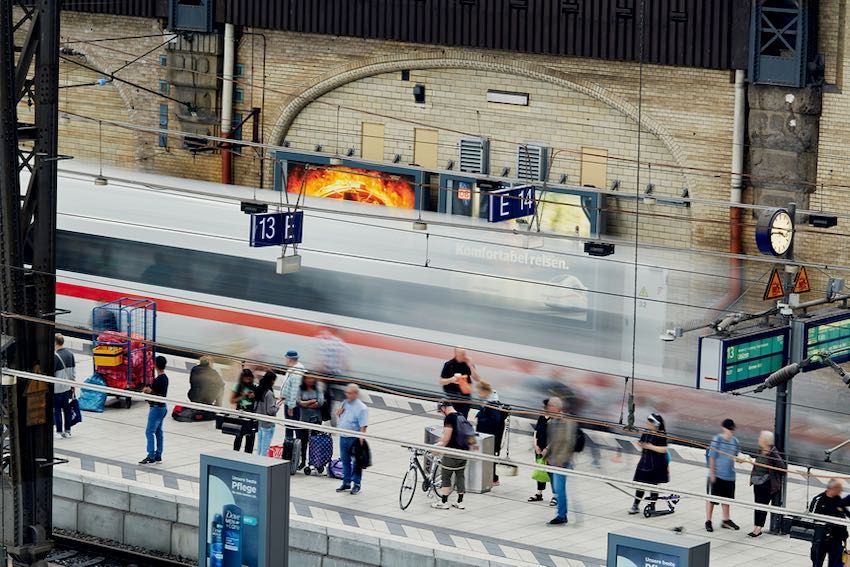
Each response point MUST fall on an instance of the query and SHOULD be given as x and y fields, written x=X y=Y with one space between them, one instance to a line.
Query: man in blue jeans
x=561 y=437
x=156 y=414
x=353 y=416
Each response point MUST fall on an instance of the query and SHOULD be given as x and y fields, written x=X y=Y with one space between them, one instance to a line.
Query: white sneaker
x=458 y=505
x=440 y=505
x=68 y=433
x=64 y=435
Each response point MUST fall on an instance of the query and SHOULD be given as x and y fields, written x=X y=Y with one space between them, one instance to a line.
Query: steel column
x=28 y=269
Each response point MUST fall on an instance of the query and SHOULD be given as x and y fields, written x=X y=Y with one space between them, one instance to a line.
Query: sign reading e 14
x=512 y=203
x=275 y=229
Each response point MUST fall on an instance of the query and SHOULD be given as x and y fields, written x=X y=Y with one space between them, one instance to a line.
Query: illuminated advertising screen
x=355 y=184
x=564 y=213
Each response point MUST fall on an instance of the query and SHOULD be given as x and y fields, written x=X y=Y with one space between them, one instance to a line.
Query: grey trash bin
x=479 y=475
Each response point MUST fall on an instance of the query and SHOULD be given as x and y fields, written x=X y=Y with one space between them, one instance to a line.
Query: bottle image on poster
x=216 y=553
x=232 y=536
x=233 y=510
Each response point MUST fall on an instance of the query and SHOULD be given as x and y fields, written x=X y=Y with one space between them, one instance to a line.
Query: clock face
x=775 y=232
x=781 y=232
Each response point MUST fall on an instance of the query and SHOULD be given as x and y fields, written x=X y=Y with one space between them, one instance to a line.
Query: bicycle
x=410 y=482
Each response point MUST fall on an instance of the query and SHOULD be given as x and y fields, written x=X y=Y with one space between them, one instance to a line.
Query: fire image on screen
x=353 y=184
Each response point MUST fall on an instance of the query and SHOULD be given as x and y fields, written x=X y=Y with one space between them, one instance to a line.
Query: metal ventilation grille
x=475 y=155
x=531 y=162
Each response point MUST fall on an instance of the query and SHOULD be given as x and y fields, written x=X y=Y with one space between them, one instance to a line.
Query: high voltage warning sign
x=774 y=289
x=801 y=281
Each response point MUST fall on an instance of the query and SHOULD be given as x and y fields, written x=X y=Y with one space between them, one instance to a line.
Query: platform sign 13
x=275 y=229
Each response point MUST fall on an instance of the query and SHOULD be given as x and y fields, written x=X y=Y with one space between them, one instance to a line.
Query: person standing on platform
x=456 y=379
x=491 y=419
x=244 y=398
x=561 y=436
x=829 y=539
x=156 y=414
x=311 y=397
x=654 y=466
x=266 y=405
x=64 y=366
x=353 y=416
x=291 y=388
x=333 y=364
x=766 y=482
x=721 y=456
x=454 y=424
x=540 y=442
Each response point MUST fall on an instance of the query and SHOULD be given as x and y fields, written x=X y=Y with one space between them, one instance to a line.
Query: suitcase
x=320 y=452
x=289 y=451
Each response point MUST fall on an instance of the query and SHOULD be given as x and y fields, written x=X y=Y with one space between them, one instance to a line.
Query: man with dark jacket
x=561 y=441
x=205 y=384
x=829 y=538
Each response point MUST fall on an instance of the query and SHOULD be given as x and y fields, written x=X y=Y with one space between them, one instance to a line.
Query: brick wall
x=319 y=89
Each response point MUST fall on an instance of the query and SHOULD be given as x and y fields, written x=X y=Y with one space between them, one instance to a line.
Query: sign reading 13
x=275 y=229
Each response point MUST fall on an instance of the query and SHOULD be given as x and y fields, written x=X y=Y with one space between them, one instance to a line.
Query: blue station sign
x=512 y=203
x=275 y=229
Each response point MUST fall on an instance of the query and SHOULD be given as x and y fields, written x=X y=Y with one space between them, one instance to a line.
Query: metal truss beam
x=27 y=284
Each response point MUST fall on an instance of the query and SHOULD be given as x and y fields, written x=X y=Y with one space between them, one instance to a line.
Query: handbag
x=540 y=475
x=76 y=414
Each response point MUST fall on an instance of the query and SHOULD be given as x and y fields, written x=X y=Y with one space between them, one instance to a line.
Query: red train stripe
x=270 y=323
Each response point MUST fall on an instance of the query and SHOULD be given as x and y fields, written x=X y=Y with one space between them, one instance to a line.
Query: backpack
x=581 y=440
x=464 y=433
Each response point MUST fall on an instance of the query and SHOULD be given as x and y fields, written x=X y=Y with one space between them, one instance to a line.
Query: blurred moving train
x=533 y=312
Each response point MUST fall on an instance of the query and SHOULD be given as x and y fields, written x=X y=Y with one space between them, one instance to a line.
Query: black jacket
x=362 y=454
x=830 y=506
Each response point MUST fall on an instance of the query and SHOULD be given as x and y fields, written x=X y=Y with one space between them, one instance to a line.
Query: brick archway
x=455 y=59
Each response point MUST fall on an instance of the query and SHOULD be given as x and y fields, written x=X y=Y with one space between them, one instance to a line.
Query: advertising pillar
x=244 y=511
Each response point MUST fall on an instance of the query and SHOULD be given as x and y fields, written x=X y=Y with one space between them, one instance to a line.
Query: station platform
x=497 y=528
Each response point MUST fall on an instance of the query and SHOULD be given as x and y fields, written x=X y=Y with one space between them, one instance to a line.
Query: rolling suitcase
x=320 y=453
x=289 y=451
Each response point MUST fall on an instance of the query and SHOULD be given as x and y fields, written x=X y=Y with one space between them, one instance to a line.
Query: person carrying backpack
x=491 y=419
x=458 y=433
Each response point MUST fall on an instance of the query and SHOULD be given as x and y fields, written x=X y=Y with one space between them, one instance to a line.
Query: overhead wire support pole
x=27 y=228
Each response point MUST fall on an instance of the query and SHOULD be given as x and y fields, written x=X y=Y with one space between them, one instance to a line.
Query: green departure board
x=831 y=335
x=753 y=359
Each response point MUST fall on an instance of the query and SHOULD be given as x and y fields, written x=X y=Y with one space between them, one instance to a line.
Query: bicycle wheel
x=408 y=487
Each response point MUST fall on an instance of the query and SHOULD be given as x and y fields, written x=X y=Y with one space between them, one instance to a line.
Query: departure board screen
x=830 y=335
x=754 y=360
x=732 y=363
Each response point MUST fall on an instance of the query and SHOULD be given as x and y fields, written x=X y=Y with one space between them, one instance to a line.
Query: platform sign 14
x=511 y=203
x=275 y=229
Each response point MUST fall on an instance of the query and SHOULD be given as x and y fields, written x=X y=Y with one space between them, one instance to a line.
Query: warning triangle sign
x=774 y=289
x=801 y=281
x=643 y=292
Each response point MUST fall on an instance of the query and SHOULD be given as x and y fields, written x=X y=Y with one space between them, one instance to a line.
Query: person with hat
x=720 y=457
x=290 y=390
x=653 y=467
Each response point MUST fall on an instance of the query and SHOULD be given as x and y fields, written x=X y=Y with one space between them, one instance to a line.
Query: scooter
x=650 y=511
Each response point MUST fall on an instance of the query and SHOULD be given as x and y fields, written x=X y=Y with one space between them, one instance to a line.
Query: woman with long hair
x=654 y=466
x=311 y=397
x=266 y=404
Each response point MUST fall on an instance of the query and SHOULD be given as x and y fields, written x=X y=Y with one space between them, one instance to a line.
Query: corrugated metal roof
x=694 y=33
